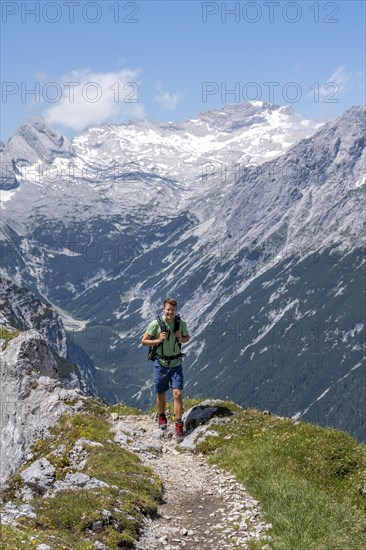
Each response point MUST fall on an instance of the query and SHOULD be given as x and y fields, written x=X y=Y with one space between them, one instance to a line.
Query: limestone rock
x=77 y=481
x=35 y=398
x=13 y=511
x=39 y=475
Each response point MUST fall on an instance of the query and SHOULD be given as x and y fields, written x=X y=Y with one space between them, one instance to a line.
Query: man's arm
x=148 y=340
x=180 y=338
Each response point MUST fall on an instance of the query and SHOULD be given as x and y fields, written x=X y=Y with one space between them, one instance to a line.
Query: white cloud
x=169 y=100
x=340 y=77
x=82 y=98
x=341 y=80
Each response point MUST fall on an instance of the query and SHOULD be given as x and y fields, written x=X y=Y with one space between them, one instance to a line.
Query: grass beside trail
x=307 y=479
x=310 y=482
x=69 y=520
x=7 y=335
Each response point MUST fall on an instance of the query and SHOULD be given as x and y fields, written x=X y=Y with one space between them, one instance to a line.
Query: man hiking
x=167 y=334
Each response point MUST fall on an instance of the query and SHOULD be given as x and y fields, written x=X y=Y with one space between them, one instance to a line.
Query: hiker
x=166 y=335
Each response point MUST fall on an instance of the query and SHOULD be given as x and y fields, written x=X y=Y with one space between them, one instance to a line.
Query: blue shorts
x=166 y=377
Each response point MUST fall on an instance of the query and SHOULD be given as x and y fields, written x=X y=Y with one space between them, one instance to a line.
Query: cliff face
x=33 y=397
x=39 y=383
x=20 y=309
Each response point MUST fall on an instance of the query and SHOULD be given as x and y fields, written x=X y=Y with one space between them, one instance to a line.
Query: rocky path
x=204 y=507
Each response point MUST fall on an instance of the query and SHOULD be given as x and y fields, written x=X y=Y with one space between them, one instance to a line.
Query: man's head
x=170 y=308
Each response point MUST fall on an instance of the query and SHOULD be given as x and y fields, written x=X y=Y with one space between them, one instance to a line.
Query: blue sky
x=92 y=62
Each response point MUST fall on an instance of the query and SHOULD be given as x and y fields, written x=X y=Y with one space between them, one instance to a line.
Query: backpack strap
x=176 y=323
x=163 y=328
x=177 y=327
x=162 y=324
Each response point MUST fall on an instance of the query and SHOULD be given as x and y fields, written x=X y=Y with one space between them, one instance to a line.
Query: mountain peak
x=34 y=141
x=43 y=141
x=235 y=116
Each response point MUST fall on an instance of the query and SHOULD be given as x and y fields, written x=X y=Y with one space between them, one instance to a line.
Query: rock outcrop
x=33 y=397
x=22 y=310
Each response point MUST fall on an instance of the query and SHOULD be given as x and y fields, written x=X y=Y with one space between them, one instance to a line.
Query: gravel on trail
x=204 y=507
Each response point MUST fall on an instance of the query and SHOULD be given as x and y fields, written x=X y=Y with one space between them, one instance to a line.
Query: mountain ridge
x=108 y=247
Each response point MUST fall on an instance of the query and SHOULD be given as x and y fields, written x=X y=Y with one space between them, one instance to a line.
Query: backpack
x=153 y=353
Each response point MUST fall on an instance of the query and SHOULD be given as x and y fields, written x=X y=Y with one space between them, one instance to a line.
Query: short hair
x=170 y=301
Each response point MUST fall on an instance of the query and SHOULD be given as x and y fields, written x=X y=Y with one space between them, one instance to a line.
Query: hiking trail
x=204 y=507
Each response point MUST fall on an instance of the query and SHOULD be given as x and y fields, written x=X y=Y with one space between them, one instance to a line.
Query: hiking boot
x=162 y=421
x=179 y=428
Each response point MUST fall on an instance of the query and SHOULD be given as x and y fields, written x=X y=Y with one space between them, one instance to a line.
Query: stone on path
x=204 y=507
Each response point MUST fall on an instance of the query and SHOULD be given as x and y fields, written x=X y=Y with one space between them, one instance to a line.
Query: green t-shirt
x=170 y=345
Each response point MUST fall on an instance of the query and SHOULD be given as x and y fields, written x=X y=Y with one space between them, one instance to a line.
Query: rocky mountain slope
x=35 y=397
x=33 y=142
x=39 y=383
x=106 y=479
x=77 y=473
x=21 y=310
x=53 y=437
x=252 y=217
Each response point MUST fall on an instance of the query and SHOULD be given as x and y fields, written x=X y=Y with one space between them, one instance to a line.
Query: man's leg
x=178 y=403
x=161 y=402
x=178 y=411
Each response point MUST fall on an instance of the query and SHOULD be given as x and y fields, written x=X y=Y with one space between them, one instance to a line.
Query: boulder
x=39 y=476
x=200 y=414
x=77 y=481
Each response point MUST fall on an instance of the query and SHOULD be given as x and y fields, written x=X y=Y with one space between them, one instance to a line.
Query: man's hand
x=162 y=337
x=181 y=339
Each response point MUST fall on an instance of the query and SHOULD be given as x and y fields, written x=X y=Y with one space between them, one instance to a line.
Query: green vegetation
x=7 y=335
x=75 y=519
x=306 y=478
x=309 y=481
